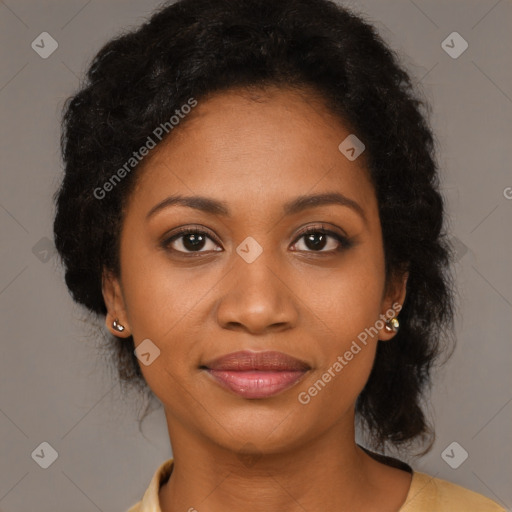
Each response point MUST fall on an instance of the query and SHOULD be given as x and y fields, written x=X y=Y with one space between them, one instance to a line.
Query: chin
x=263 y=429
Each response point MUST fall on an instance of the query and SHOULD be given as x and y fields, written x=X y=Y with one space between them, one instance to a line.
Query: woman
x=251 y=201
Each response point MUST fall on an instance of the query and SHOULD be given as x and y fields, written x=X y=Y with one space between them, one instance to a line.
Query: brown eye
x=190 y=240
x=321 y=240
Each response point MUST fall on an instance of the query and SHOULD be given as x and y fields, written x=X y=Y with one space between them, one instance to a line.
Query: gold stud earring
x=392 y=325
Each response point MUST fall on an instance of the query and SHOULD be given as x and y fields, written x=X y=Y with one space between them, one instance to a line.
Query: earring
x=392 y=325
x=117 y=326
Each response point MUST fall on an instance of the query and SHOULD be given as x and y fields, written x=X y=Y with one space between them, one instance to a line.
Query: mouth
x=256 y=374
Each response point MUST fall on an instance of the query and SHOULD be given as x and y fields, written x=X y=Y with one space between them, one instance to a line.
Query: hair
x=194 y=48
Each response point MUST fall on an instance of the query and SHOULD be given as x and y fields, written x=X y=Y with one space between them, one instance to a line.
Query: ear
x=393 y=301
x=116 y=310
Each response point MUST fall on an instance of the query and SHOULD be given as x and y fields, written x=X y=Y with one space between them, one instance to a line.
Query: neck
x=331 y=473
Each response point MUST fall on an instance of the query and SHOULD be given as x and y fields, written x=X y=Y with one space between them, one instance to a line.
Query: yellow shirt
x=426 y=494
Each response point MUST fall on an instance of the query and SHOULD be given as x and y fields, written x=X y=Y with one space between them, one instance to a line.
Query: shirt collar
x=150 y=501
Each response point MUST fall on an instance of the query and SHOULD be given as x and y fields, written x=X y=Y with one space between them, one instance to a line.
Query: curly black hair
x=193 y=48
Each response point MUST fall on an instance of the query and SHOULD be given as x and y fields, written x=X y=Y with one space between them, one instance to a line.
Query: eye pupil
x=193 y=241
x=316 y=244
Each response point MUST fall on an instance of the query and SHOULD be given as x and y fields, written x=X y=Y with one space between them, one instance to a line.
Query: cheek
x=332 y=392
x=344 y=314
x=159 y=295
x=167 y=304
x=344 y=307
x=161 y=304
x=345 y=300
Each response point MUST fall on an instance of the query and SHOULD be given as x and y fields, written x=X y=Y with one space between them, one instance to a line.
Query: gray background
x=55 y=387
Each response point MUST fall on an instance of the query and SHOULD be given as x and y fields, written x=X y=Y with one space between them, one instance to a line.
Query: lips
x=256 y=374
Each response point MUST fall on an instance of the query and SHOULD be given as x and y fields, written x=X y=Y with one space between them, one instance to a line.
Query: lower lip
x=256 y=384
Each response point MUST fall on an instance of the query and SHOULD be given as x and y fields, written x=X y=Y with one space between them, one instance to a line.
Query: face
x=248 y=278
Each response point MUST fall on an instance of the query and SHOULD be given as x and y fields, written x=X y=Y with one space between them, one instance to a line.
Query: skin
x=256 y=151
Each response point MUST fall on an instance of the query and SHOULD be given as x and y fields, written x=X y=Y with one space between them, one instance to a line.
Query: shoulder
x=428 y=493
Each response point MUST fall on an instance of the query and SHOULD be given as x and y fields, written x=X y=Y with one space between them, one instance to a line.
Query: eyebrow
x=294 y=206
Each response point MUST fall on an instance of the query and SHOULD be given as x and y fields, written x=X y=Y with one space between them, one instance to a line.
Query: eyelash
x=345 y=243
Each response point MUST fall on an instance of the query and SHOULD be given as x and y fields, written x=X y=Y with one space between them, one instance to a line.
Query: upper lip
x=252 y=361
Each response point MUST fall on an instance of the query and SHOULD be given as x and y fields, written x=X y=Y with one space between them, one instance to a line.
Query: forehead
x=255 y=148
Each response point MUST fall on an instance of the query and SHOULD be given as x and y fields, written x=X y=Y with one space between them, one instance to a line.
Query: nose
x=257 y=299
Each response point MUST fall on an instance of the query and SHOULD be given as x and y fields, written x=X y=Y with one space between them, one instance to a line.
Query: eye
x=316 y=239
x=189 y=240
